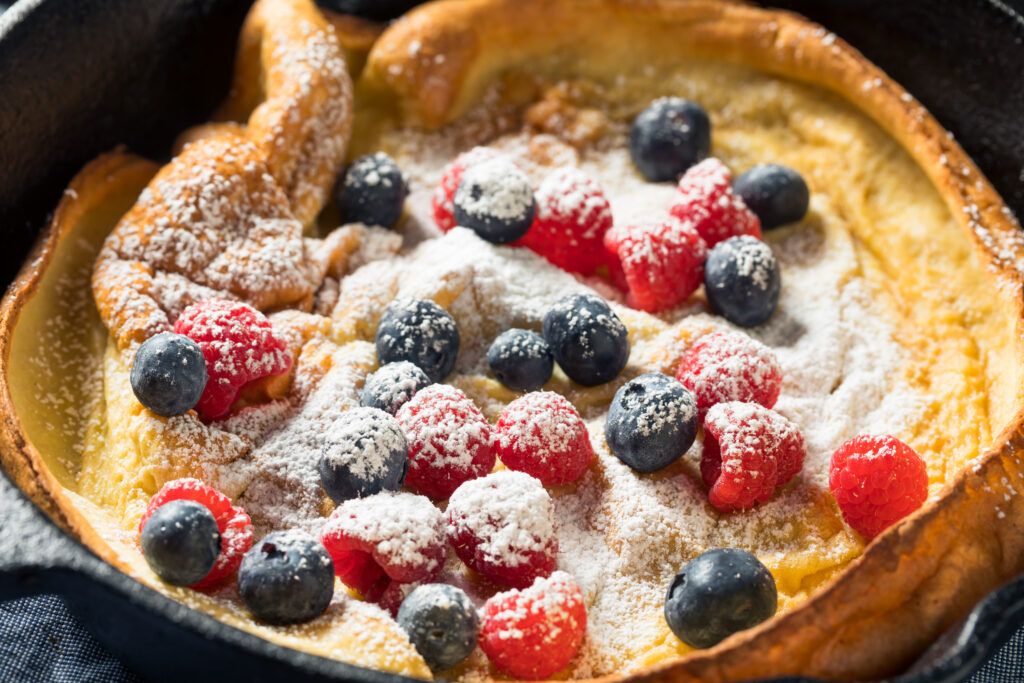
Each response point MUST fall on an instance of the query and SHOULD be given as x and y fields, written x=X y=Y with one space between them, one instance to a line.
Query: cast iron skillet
x=78 y=77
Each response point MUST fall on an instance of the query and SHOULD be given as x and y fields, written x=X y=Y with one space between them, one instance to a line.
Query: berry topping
x=287 y=578
x=543 y=435
x=233 y=523
x=383 y=538
x=587 y=339
x=662 y=262
x=719 y=593
x=749 y=451
x=534 y=633
x=443 y=200
x=730 y=366
x=777 y=194
x=521 y=360
x=502 y=526
x=705 y=199
x=449 y=441
x=372 y=191
x=441 y=622
x=668 y=137
x=364 y=452
x=421 y=332
x=877 y=481
x=573 y=215
x=181 y=542
x=495 y=201
x=239 y=345
x=391 y=386
x=168 y=374
x=651 y=423
x=742 y=281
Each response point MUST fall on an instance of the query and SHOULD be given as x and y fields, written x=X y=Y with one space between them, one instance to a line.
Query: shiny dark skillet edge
x=153 y=68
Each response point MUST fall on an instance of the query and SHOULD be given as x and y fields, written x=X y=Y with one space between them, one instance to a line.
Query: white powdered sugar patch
x=403 y=529
x=495 y=189
x=510 y=513
x=362 y=441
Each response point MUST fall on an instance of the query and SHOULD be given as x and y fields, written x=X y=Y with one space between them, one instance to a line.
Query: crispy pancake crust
x=913 y=581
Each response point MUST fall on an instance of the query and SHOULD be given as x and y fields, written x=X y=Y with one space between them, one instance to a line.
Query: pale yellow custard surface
x=881 y=328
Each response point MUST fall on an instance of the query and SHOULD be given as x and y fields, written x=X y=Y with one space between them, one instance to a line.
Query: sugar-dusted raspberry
x=235 y=527
x=534 y=633
x=662 y=263
x=706 y=200
x=573 y=214
x=542 y=434
x=502 y=526
x=749 y=451
x=449 y=440
x=239 y=345
x=443 y=200
x=730 y=366
x=877 y=481
x=383 y=538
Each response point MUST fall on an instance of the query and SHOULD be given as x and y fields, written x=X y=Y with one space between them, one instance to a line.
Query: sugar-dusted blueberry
x=421 y=332
x=718 y=593
x=742 y=280
x=652 y=422
x=372 y=191
x=521 y=360
x=286 y=578
x=392 y=385
x=588 y=340
x=442 y=624
x=668 y=137
x=168 y=374
x=365 y=452
x=776 y=193
x=180 y=542
x=495 y=201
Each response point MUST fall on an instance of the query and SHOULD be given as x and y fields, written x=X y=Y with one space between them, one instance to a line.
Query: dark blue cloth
x=40 y=641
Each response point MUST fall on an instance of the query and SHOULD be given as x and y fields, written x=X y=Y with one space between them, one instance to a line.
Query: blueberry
x=777 y=194
x=421 y=332
x=391 y=386
x=668 y=137
x=378 y=10
x=652 y=422
x=365 y=453
x=181 y=542
x=588 y=340
x=719 y=593
x=372 y=191
x=286 y=578
x=494 y=200
x=742 y=281
x=521 y=360
x=169 y=374
x=441 y=622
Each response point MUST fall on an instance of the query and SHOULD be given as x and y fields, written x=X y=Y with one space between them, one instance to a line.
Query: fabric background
x=40 y=641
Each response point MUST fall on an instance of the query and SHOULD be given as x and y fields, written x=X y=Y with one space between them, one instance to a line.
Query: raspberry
x=573 y=215
x=443 y=200
x=235 y=527
x=749 y=451
x=662 y=263
x=706 y=200
x=542 y=434
x=877 y=481
x=449 y=440
x=239 y=346
x=502 y=526
x=383 y=538
x=534 y=633
x=730 y=366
